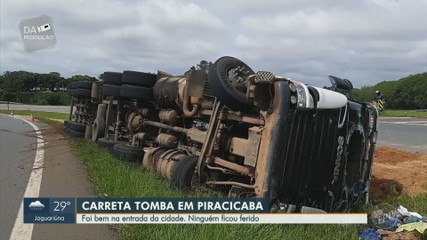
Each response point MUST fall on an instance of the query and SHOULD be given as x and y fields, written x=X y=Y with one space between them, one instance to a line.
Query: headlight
x=302 y=98
x=292 y=87
x=293 y=99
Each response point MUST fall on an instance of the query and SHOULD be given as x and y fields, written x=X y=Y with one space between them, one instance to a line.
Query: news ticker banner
x=170 y=211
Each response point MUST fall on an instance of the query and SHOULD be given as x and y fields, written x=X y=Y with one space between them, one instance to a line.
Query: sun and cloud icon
x=36 y=205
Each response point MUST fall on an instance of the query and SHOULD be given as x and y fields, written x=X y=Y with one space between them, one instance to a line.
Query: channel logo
x=44 y=27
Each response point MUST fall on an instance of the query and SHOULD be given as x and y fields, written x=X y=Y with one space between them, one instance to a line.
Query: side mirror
x=338 y=83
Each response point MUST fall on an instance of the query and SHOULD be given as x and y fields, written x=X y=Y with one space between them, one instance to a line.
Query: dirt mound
x=396 y=171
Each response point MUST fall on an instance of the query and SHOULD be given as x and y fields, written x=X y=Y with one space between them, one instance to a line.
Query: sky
x=366 y=41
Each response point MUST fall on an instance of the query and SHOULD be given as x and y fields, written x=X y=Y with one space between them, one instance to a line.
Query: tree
x=55 y=74
x=18 y=81
x=86 y=78
x=407 y=93
x=203 y=65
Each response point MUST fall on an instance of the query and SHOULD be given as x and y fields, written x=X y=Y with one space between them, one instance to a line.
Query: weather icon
x=36 y=205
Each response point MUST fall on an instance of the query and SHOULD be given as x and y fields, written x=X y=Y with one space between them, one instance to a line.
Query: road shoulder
x=65 y=176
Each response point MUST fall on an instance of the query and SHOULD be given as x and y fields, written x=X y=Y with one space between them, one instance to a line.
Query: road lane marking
x=411 y=123
x=21 y=231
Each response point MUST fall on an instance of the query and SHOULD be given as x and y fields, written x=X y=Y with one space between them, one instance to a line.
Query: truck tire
x=81 y=84
x=106 y=143
x=228 y=90
x=65 y=130
x=114 y=78
x=88 y=132
x=126 y=152
x=101 y=111
x=182 y=175
x=75 y=134
x=79 y=92
x=78 y=127
x=141 y=79
x=110 y=90
x=98 y=128
x=140 y=93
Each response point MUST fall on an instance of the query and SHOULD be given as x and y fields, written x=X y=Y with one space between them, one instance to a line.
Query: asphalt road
x=17 y=153
x=403 y=133
x=63 y=176
x=44 y=108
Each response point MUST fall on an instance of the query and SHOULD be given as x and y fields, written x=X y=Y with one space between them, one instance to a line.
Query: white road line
x=21 y=231
x=412 y=123
x=385 y=118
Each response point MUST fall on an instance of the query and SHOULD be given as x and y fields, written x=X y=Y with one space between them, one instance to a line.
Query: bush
x=5 y=96
x=407 y=93
x=42 y=98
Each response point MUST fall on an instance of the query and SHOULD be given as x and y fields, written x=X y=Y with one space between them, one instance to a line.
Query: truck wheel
x=126 y=152
x=110 y=90
x=75 y=134
x=183 y=176
x=98 y=128
x=101 y=111
x=80 y=92
x=228 y=81
x=114 y=78
x=106 y=143
x=141 y=93
x=78 y=127
x=81 y=84
x=139 y=78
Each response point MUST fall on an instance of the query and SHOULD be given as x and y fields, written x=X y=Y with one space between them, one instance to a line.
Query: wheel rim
x=237 y=78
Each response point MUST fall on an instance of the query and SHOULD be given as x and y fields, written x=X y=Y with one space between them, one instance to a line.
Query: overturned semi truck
x=251 y=134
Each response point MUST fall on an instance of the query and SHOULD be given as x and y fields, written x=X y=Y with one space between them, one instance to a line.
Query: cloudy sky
x=366 y=41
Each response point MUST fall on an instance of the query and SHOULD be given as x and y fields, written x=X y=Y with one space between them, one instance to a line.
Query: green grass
x=405 y=113
x=113 y=178
x=47 y=117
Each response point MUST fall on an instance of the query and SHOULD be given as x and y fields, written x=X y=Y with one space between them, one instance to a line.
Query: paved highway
x=63 y=175
x=44 y=108
x=17 y=153
x=404 y=133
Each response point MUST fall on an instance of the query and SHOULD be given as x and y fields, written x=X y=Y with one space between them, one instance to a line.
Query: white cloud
x=366 y=41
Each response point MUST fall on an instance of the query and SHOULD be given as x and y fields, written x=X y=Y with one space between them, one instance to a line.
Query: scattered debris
x=389 y=235
x=404 y=211
x=389 y=223
x=420 y=227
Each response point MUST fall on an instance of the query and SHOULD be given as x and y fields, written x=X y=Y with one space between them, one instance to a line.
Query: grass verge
x=47 y=117
x=404 y=113
x=113 y=178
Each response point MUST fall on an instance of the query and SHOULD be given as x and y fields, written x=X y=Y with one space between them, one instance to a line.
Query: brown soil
x=396 y=172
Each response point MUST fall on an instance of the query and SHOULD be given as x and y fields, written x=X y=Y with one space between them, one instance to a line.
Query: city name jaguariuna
x=172 y=206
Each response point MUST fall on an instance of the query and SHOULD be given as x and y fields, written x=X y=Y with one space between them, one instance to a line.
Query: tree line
x=406 y=93
x=15 y=84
